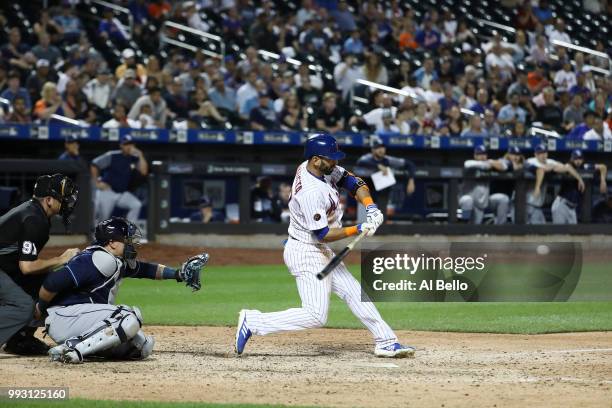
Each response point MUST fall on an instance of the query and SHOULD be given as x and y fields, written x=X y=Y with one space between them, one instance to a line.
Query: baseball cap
x=205 y=202
x=42 y=63
x=71 y=139
x=577 y=154
x=129 y=73
x=128 y=53
x=480 y=149
x=540 y=148
x=514 y=150
x=376 y=141
x=126 y=139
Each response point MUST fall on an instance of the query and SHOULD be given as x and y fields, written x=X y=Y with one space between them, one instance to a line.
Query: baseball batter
x=79 y=298
x=315 y=219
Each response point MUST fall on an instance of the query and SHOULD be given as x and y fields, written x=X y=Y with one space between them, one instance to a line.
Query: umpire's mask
x=62 y=189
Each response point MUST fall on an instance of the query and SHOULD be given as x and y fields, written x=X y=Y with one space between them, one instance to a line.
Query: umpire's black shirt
x=24 y=231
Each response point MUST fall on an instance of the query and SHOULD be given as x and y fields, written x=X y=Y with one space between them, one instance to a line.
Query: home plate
x=375 y=365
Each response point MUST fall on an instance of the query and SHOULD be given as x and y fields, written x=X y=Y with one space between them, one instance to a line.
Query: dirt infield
x=330 y=367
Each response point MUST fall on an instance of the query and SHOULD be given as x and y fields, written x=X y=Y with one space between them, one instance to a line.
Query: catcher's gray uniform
x=535 y=214
x=477 y=199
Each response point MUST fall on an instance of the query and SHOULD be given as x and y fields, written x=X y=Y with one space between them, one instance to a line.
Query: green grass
x=228 y=289
x=86 y=403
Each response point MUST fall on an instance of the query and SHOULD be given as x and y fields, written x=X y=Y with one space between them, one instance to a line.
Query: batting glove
x=367 y=228
x=374 y=215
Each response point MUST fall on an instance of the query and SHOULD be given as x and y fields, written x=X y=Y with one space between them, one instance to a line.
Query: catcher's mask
x=121 y=230
x=62 y=189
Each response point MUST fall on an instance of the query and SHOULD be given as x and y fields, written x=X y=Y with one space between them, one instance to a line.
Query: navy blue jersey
x=116 y=169
x=569 y=185
x=93 y=276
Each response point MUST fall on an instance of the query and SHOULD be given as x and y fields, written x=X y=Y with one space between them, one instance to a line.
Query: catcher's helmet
x=322 y=145
x=62 y=189
x=122 y=230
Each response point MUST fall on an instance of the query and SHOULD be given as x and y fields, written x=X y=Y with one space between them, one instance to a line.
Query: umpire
x=24 y=231
x=564 y=207
x=378 y=160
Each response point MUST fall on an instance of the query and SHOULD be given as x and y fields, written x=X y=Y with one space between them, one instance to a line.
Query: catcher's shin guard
x=119 y=328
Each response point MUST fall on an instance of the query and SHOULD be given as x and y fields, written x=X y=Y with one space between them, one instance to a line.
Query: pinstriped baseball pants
x=304 y=262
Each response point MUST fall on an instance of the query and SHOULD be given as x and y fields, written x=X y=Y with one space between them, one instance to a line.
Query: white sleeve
x=477 y=164
x=372 y=117
x=313 y=205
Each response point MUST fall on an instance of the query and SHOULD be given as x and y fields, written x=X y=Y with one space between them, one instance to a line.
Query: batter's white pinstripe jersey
x=314 y=204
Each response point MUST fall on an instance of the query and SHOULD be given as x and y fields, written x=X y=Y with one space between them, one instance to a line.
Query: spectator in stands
x=549 y=114
x=520 y=130
x=120 y=119
x=75 y=103
x=72 y=150
x=389 y=124
x=70 y=24
x=308 y=94
x=261 y=200
x=107 y=29
x=565 y=78
x=44 y=49
x=303 y=73
x=232 y=26
x=251 y=63
x=293 y=116
x=525 y=18
x=329 y=118
x=511 y=113
x=128 y=57
x=45 y=25
x=600 y=104
x=497 y=57
x=115 y=173
x=280 y=203
x=475 y=128
x=20 y=113
x=543 y=12
x=490 y=126
x=176 y=99
x=447 y=101
x=158 y=105
x=263 y=116
x=50 y=103
x=574 y=113
x=223 y=97
x=16 y=53
x=346 y=73
x=378 y=161
x=428 y=37
x=353 y=44
x=202 y=109
x=128 y=91
x=38 y=77
x=558 y=33
x=247 y=91
x=15 y=90
x=306 y=13
x=159 y=10
x=260 y=87
x=538 y=53
x=482 y=102
x=193 y=18
x=343 y=17
x=373 y=70
x=99 y=89
x=426 y=73
x=599 y=131
x=455 y=121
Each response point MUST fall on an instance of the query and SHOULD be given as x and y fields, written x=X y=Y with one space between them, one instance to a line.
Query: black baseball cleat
x=25 y=344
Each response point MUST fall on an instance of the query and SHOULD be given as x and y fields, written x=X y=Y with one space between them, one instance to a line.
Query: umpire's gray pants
x=562 y=213
x=16 y=308
x=107 y=200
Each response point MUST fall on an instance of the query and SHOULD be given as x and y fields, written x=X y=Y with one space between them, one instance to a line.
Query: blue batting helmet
x=323 y=145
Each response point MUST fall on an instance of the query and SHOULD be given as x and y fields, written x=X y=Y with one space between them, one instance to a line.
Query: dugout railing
x=163 y=173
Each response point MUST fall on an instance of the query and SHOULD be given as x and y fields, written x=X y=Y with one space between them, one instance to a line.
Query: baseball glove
x=190 y=271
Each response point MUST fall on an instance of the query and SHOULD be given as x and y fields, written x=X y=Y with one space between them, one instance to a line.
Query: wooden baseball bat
x=339 y=257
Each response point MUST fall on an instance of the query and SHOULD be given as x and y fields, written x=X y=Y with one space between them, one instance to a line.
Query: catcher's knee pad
x=118 y=328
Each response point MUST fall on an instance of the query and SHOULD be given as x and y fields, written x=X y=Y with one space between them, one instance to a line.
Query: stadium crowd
x=459 y=83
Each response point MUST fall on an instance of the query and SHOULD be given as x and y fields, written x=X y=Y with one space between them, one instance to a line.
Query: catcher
x=78 y=299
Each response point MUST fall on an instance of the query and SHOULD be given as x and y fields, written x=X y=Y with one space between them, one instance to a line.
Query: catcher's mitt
x=190 y=271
